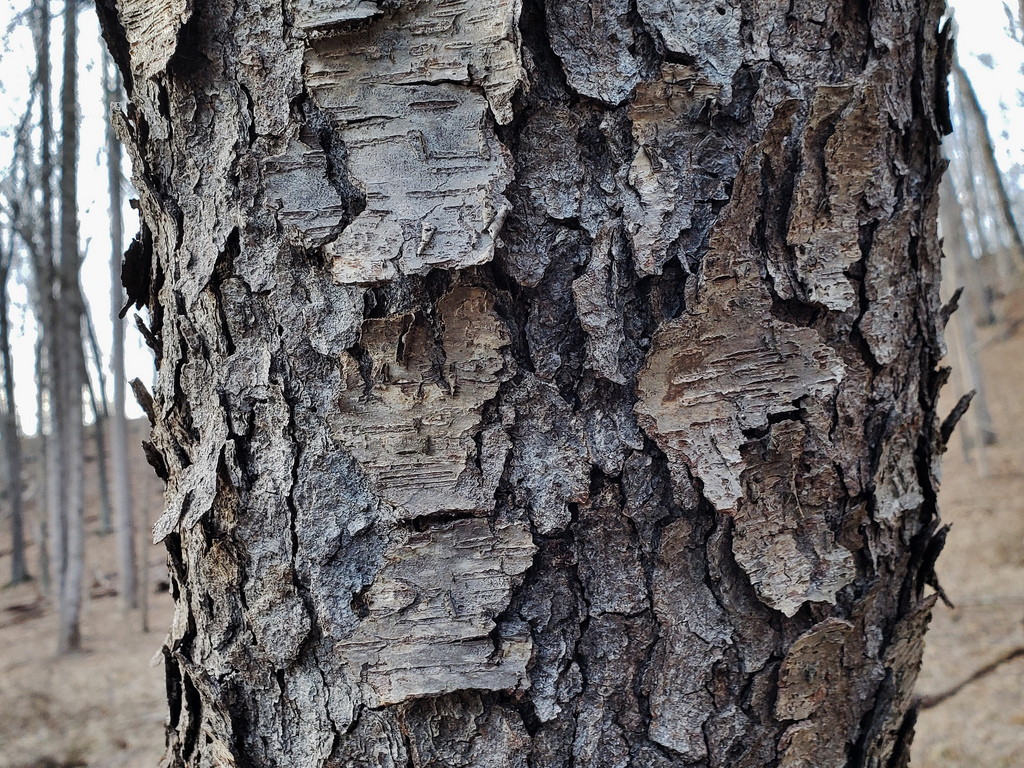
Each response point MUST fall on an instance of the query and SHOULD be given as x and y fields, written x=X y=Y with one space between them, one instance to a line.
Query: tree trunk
x=42 y=475
x=67 y=358
x=1010 y=248
x=9 y=433
x=101 y=415
x=546 y=386
x=123 y=512
x=47 y=278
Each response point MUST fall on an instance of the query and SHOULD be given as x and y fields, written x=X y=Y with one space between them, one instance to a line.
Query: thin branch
x=928 y=702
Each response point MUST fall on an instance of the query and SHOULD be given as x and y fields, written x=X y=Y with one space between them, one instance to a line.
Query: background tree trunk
x=540 y=385
x=42 y=475
x=46 y=280
x=101 y=415
x=1009 y=256
x=9 y=432
x=66 y=357
x=118 y=425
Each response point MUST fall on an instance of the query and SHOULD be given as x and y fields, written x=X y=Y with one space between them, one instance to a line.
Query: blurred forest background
x=81 y=587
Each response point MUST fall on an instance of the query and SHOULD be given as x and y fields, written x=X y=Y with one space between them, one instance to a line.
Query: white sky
x=992 y=58
x=994 y=62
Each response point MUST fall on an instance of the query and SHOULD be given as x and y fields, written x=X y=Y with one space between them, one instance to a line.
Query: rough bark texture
x=540 y=384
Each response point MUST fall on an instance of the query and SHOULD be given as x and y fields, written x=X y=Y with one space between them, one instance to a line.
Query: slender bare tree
x=67 y=362
x=101 y=416
x=123 y=510
x=46 y=278
x=540 y=384
x=10 y=433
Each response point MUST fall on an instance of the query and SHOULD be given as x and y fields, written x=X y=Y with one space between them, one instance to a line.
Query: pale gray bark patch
x=661 y=173
x=832 y=197
x=722 y=374
x=412 y=407
x=428 y=615
x=319 y=15
x=413 y=109
x=307 y=203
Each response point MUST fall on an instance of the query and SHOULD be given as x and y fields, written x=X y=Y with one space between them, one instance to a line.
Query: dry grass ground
x=982 y=570
x=105 y=708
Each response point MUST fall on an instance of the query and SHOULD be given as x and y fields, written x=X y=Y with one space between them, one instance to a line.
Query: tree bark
x=123 y=511
x=540 y=385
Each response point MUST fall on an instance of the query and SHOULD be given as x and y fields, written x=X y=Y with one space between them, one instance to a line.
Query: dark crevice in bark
x=223 y=269
x=298 y=584
x=336 y=154
x=194 y=708
x=189 y=58
x=534 y=31
x=440 y=519
x=172 y=682
x=137 y=271
x=250 y=109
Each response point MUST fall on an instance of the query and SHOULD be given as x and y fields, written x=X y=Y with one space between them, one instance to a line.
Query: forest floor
x=105 y=707
x=982 y=572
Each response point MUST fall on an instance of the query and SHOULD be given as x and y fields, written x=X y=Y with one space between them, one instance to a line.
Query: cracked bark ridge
x=543 y=384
